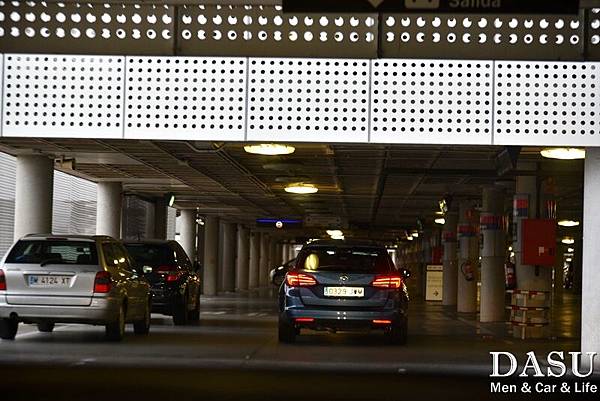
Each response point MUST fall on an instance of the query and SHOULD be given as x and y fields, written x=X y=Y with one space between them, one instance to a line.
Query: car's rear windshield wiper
x=47 y=261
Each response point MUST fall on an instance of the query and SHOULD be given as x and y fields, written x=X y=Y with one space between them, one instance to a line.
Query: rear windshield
x=58 y=252
x=152 y=255
x=346 y=259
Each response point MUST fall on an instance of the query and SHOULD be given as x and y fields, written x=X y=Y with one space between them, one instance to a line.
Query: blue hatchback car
x=343 y=285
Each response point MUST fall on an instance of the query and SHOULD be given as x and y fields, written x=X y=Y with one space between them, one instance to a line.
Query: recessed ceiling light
x=301 y=188
x=440 y=220
x=568 y=241
x=568 y=223
x=335 y=233
x=270 y=149
x=563 y=153
x=571 y=250
x=410 y=237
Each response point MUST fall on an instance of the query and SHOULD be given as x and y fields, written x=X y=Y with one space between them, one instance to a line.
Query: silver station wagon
x=48 y=279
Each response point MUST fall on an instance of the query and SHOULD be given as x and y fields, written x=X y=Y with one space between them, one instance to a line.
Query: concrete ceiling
x=376 y=189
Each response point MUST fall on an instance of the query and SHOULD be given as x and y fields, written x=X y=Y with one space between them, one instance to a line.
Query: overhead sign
x=435 y=6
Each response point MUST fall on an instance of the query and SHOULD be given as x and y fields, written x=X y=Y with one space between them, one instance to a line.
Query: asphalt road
x=233 y=353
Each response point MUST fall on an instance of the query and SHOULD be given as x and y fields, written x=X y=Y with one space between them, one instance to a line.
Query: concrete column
x=254 y=261
x=160 y=218
x=200 y=244
x=228 y=262
x=109 y=206
x=33 y=197
x=242 y=266
x=187 y=232
x=590 y=301
x=528 y=277
x=449 y=294
x=292 y=251
x=285 y=253
x=211 y=254
x=493 y=256
x=468 y=219
x=150 y=211
x=263 y=278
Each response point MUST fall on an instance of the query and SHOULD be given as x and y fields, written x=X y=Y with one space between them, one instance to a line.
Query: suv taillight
x=102 y=283
x=300 y=280
x=171 y=273
x=387 y=281
x=2 y=281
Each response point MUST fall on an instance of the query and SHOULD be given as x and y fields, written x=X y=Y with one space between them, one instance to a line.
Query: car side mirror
x=406 y=273
x=146 y=269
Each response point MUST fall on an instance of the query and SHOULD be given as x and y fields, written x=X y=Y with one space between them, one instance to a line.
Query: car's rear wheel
x=180 y=312
x=287 y=332
x=142 y=327
x=194 y=314
x=8 y=329
x=45 y=327
x=398 y=333
x=115 y=331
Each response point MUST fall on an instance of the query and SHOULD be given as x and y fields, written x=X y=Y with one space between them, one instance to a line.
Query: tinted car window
x=152 y=255
x=347 y=259
x=56 y=252
x=182 y=257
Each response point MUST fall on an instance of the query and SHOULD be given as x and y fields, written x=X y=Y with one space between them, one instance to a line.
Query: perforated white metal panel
x=542 y=103
x=320 y=100
x=200 y=98
x=63 y=96
x=460 y=36
x=431 y=101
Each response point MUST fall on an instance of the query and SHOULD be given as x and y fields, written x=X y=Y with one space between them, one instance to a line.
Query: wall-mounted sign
x=435 y=6
x=434 y=283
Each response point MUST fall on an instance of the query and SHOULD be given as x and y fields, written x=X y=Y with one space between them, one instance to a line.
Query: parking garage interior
x=465 y=143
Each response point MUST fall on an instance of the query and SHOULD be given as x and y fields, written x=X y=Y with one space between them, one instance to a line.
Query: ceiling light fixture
x=563 y=153
x=568 y=223
x=568 y=241
x=301 y=188
x=270 y=149
x=333 y=233
x=440 y=220
x=410 y=238
x=570 y=250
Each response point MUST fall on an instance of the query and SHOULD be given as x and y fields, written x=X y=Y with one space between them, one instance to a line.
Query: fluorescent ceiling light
x=301 y=188
x=270 y=149
x=568 y=241
x=410 y=238
x=332 y=233
x=563 y=153
x=571 y=250
x=415 y=234
x=440 y=220
x=568 y=223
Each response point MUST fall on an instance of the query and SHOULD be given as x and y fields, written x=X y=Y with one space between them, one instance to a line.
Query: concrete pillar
x=228 y=261
x=285 y=252
x=109 y=206
x=211 y=254
x=150 y=210
x=449 y=293
x=263 y=278
x=187 y=232
x=291 y=251
x=242 y=266
x=468 y=241
x=590 y=301
x=160 y=218
x=200 y=244
x=528 y=277
x=33 y=197
x=254 y=261
x=493 y=256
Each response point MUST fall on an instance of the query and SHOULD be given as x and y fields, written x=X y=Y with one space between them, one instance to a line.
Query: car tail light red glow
x=171 y=273
x=304 y=320
x=382 y=321
x=300 y=280
x=387 y=281
x=102 y=283
x=2 y=281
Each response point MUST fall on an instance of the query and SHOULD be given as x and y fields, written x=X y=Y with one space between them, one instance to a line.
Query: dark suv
x=343 y=285
x=174 y=280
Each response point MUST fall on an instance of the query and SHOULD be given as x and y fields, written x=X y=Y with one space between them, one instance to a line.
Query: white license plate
x=351 y=292
x=49 y=281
